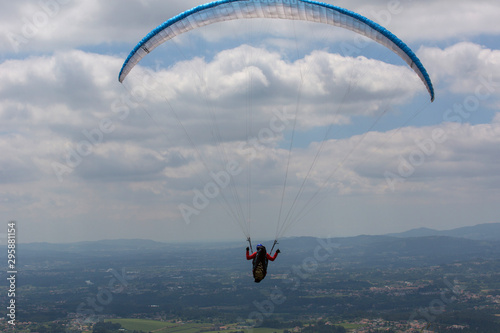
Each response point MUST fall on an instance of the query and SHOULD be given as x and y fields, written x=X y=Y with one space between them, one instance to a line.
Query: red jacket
x=253 y=255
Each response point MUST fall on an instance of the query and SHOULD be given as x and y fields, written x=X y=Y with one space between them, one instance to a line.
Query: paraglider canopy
x=304 y=10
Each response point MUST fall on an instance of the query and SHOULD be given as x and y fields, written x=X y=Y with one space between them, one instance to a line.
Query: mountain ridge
x=485 y=231
x=363 y=250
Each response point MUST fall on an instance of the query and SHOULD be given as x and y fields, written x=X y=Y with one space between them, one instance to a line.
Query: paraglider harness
x=260 y=264
x=260 y=261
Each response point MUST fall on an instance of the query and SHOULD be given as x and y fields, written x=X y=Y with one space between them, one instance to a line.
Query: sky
x=258 y=128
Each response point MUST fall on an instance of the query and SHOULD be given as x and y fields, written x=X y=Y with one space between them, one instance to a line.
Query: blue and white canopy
x=305 y=10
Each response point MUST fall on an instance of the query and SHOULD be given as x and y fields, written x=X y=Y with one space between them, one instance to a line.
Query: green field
x=166 y=327
x=144 y=325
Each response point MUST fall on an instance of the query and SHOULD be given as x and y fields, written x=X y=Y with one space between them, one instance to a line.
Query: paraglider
x=303 y=10
x=260 y=260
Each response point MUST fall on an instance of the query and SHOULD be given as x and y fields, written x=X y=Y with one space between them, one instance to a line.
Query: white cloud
x=328 y=88
x=53 y=24
x=464 y=68
x=431 y=20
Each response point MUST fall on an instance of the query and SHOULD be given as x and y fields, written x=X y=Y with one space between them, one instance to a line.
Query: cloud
x=424 y=20
x=62 y=99
x=16 y=162
x=464 y=67
x=55 y=24
x=328 y=88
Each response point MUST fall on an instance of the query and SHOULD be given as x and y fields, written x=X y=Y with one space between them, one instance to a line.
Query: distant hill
x=487 y=231
x=391 y=250
x=415 y=247
x=359 y=251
